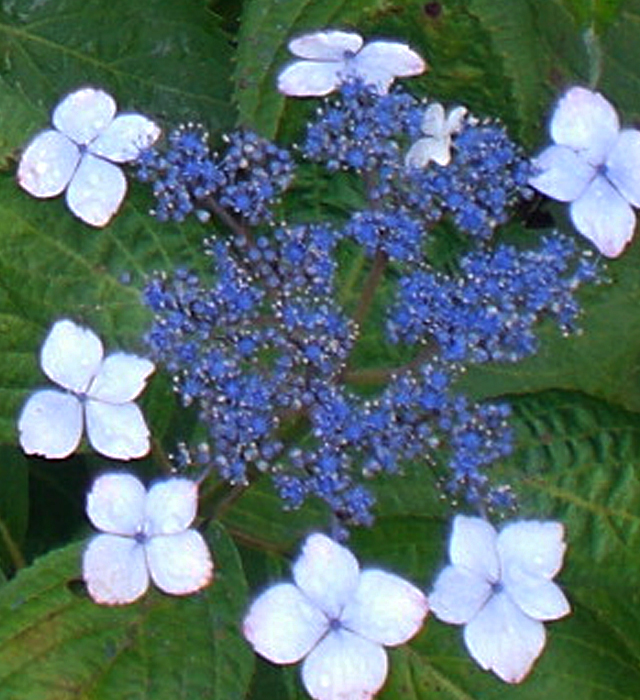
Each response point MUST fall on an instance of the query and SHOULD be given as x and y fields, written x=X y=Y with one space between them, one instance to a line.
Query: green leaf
x=594 y=12
x=19 y=117
x=620 y=55
x=55 y=642
x=168 y=59
x=14 y=506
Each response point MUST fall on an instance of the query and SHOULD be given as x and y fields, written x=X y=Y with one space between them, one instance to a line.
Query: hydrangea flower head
x=438 y=128
x=330 y=57
x=595 y=165
x=94 y=389
x=80 y=154
x=499 y=586
x=145 y=534
x=337 y=618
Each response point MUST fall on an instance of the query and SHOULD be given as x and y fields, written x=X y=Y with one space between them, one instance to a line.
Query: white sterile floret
x=96 y=390
x=145 y=534
x=499 y=586
x=329 y=58
x=438 y=129
x=595 y=165
x=337 y=618
x=81 y=153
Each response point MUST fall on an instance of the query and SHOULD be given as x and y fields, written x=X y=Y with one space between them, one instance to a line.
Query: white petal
x=96 y=190
x=115 y=570
x=433 y=120
x=604 y=217
x=504 y=640
x=396 y=58
x=428 y=149
x=345 y=667
x=120 y=378
x=533 y=547
x=586 y=122
x=47 y=164
x=380 y=62
x=71 y=355
x=179 y=564
x=385 y=608
x=562 y=173
x=282 y=625
x=118 y=431
x=50 y=424
x=455 y=119
x=473 y=547
x=309 y=78
x=125 y=137
x=623 y=165
x=116 y=504
x=458 y=594
x=171 y=506
x=537 y=597
x=327 y=573
x=326 y=46
x=84 y=114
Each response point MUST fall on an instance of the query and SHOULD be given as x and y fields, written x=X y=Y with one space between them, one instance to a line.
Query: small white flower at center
x=337 y=618
x=144 y=535
x=94 y=390
x=328 y=58
x=499 y=586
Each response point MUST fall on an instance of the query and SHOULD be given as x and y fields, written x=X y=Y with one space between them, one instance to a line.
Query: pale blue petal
x=116 y=504
x=119 y=432
x=586 y=122
x=604 y=217
x=47 y=164
x=115 y=570
x=385 y=608
x=345 y=666
x=179 y=564
x=561 y=173
x=120 y=378
x=282 y=625
x=502 y=639
x=327 y=573
x=473 y=547
x=96 y=191
x=458 y=595
x=532 y=546
x=171 y=506
x=50 y=424
x=623 y=165
x=71 y=355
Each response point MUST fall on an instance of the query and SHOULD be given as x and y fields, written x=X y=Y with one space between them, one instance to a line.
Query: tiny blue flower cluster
x=359 y=130
x=366 y=132
x=488 y=310
x=245 y=181
x=266 y=351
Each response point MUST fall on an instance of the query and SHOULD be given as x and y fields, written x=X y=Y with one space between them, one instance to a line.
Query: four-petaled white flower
x=329 y=58
x=594 y=165
x=338 y=617
x=79 y=155
x=438 y=129
x=96 y=390
x=499 y=586
x=145 y=534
